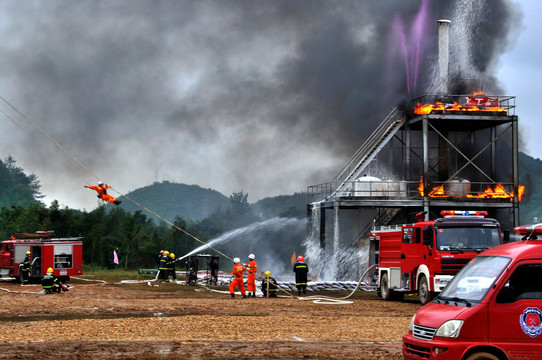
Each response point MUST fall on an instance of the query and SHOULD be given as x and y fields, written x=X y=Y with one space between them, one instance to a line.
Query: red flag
x=293 y=259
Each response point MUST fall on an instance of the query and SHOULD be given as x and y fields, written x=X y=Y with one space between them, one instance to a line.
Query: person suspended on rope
x=101 y=189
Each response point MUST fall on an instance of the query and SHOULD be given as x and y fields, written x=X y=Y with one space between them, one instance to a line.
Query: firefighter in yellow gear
x=270 y=282
x=25 y=268
x=163 y=267
x=50 y=283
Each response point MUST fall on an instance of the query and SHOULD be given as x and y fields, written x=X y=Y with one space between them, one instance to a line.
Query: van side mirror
x=505 y=235
x=506 y=295
x=428 y=235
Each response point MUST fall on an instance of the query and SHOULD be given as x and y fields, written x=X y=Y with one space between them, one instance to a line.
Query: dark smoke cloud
x=262 y=96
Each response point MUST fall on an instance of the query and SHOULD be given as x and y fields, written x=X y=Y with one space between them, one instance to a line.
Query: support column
x=515 y=166
x=425 y=141
x=336 y=237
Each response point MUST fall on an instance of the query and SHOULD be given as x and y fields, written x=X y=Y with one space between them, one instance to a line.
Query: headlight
x=450 y=328
x=411 y=326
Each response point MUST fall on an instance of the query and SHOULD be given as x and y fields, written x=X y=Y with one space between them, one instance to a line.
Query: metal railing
x=484 y=103
x=412 y=190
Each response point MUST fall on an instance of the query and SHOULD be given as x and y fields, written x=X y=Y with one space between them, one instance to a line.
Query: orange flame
x=499 y=192
x=424 y=109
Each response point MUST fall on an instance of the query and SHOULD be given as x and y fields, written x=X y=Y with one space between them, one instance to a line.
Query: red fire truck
x=490 y=310
x=423 y=257
x=64 y=255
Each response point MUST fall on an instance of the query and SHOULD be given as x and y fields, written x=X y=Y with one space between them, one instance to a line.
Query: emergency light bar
x=463 y=213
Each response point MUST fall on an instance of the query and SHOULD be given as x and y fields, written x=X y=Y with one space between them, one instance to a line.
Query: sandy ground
x=171 y=321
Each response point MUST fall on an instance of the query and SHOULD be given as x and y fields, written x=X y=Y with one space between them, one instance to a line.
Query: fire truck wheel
x=482 y=356
x=423 y=290
x=385 y=291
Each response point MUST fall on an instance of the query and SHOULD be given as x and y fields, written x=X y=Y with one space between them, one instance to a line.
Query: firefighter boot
x=232 y=296
x=244 y=296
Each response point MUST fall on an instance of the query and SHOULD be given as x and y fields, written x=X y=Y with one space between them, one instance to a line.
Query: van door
x=515 y=314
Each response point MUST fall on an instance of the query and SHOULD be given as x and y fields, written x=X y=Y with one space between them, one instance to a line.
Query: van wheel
x=385 y=291
x=482 y=356
x=424 y=293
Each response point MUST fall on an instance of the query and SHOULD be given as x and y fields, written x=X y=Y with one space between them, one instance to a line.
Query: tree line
x=137 y=237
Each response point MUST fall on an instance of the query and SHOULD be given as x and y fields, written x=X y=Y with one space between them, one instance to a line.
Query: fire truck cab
x=423 y=257
x=64 y=255
x=490 y=310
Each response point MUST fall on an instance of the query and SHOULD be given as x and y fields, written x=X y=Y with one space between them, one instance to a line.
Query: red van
x=492 y=309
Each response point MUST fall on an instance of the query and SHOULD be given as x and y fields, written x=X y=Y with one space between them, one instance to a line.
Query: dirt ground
x=170 y=321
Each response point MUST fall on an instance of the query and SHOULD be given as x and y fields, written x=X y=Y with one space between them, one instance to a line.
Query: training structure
x=441 y=151
x=194 y=264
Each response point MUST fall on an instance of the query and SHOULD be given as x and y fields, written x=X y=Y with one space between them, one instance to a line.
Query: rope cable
x=43 y=146
x=50 y=138
x=98 y=178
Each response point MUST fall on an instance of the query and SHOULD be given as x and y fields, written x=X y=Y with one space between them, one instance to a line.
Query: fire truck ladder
x=370 y=148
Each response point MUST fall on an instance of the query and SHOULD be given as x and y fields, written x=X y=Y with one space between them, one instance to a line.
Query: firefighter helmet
x=172 y=255
x=100 y=183
x=236 y=260
x=300 y=258
x=166 y=253
x=251 y=256
x=50 y=271
x=28 y=253
x=267 y=273
x=161 y=251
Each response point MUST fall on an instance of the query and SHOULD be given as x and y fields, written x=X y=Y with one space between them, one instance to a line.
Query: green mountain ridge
x=191 y=202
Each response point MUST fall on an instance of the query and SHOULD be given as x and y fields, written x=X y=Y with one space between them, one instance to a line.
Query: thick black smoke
x=262 y=96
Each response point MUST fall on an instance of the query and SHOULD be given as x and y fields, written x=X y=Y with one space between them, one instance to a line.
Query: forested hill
x=17 y=188
x=190 y=202
x=530 y=173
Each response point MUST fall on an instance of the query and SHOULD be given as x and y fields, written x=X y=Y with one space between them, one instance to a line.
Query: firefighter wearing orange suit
x=101 y=189
x=251 y=281
x=237 y=271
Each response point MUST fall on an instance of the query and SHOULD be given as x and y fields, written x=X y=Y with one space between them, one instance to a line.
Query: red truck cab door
x=515 y=313
x=412 y=250
x=5 y=256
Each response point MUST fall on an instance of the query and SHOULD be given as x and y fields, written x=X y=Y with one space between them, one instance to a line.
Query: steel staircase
x=370 y=148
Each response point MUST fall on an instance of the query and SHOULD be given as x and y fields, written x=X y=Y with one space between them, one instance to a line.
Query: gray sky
x=262 y=96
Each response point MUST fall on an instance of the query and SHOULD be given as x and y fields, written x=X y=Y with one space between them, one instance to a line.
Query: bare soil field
x=170 y=321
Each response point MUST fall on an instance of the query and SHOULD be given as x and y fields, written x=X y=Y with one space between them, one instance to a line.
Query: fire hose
x=326 y=300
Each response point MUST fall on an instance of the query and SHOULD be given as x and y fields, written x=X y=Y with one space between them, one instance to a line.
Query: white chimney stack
x=443 y=54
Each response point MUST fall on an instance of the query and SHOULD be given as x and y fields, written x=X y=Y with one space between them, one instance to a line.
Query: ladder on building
x=370 y=148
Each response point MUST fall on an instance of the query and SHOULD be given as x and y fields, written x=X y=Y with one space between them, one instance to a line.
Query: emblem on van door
x=531 y=322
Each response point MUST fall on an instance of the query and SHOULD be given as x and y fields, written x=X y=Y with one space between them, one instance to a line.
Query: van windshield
x=472 y=283
x=467 y=238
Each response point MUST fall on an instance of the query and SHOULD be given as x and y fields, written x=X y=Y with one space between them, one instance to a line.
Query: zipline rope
x=93 y=174
x=43 y=146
